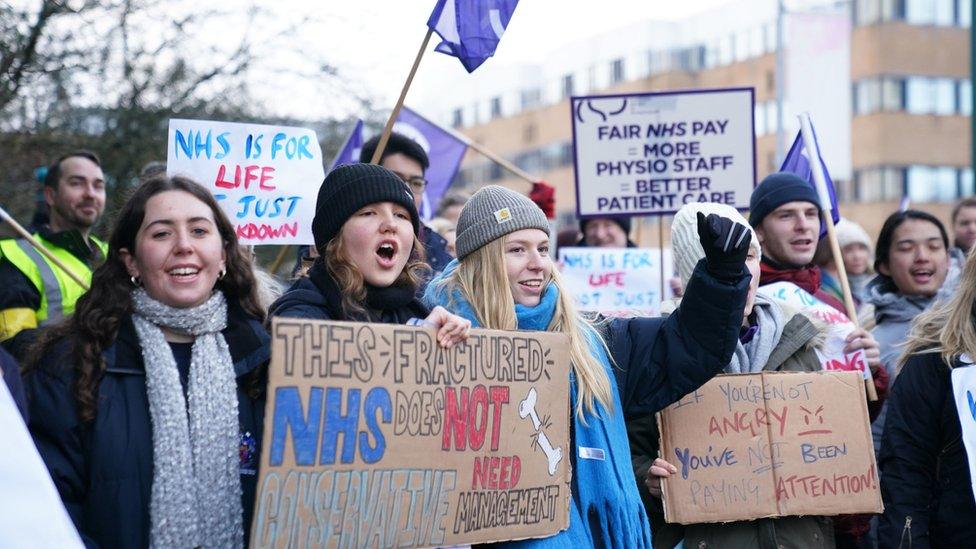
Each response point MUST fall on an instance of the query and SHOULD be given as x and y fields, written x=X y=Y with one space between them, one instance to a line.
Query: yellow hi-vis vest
x=59 y=292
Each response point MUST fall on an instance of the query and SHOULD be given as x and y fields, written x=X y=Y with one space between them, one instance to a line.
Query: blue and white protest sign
x=470 y=29
x=31 y=512
x=349 y=153
x=651 y=153
x=964 y=392
x=443 y=149
x=615 y=281
x=265 y=178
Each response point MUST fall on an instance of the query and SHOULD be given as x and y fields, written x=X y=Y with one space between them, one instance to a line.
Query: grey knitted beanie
x=493 y=212
x=685 y=245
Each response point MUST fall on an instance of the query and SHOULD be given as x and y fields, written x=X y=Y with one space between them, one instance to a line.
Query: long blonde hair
x=482 y=280
x=948 y=328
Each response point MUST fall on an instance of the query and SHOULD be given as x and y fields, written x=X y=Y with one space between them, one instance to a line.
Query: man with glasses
x=406 y=158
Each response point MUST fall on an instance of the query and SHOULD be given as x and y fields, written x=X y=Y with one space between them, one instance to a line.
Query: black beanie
x=778 y=189
x=623 y=222
x=352 y=186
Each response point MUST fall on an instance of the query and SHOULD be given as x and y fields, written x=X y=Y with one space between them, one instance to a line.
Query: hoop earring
x=222 y=273
x=136 y=281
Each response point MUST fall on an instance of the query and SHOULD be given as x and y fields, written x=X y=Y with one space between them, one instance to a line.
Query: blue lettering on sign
x=288 y=414
x=577 y=260
x=377 y=399
x=972 y=404
x=812 y=453
x=195 y=144
x=267 y=207
x=293 y=147
x=691 y=462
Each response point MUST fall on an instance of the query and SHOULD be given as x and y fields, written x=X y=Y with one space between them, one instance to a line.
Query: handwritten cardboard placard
x=770 y=444
x=964 y=392
x=265 y=178
x=376 y=437
x=615 y=280
x=651 y=153
x=832 y=355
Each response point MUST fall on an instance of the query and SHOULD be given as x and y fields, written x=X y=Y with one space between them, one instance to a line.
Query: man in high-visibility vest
x=34 y=292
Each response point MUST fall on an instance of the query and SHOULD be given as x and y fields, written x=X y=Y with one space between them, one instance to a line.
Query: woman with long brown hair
x=147 y=404
x=370 y=261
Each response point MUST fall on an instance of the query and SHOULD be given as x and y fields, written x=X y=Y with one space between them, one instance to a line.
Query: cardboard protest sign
x=376 y=437
x=265 y=178
x=832 y=355
x=616 y=280
x=31 y=512
x=770 y=444
x=964 y=392
x=651 y=153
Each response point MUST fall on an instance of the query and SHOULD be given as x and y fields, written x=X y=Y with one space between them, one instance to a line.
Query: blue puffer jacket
x=607 y=510
x=103 y=469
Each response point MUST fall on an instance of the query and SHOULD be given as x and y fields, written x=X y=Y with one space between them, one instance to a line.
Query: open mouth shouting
x=386 y=253
x=922 y=275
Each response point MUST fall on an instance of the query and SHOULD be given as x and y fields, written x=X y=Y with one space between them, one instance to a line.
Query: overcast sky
x=373 y=43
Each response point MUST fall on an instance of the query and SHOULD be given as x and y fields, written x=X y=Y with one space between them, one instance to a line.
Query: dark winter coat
x=103 y=469
x=925 y=479
x=10 y=372
x=795 y=352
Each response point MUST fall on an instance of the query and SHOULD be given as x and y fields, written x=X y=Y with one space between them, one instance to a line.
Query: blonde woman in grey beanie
x=504 y=279
x=771 y=337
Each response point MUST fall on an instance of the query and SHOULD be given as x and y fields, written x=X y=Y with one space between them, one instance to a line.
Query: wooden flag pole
x=388 y=129
x=40 y=248
x=813 y=152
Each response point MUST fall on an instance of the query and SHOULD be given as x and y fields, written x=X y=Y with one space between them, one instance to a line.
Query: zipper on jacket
x=907 y=529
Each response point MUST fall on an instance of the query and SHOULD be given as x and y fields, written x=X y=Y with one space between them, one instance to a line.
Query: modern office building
x=887 y=83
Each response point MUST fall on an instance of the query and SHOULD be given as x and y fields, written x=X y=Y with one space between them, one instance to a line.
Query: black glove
x=726 y=245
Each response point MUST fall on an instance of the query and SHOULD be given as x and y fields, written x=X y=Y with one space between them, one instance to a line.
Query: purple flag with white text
x=443 y=149
x=349 y=153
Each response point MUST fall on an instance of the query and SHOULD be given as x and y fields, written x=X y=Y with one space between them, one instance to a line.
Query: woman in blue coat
x=504 y=279
x=147 y=404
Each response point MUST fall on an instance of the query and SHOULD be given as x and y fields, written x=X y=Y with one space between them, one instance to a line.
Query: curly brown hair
x=350 y=279
x=100 y=311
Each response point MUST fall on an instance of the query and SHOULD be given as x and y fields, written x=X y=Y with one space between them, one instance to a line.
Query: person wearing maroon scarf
x=785 y=213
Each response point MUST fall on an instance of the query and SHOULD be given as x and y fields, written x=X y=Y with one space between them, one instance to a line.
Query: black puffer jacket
x=103 y=469
x=925 y=479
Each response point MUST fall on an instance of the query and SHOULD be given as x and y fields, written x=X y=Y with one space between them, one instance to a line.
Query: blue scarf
x=606 y=509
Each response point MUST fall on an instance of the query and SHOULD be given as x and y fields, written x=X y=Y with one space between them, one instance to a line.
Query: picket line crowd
x=145 y=395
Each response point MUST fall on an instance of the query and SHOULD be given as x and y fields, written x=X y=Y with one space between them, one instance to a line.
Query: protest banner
x=832 y=355
x=265 y=178
x=377 y=437
x=31 y=512
x=616 y=281
x=963 y=391
x=769 y=444
x=651 y=153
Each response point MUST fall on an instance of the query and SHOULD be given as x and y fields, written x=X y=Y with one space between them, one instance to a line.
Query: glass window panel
x=868 y=12
x=964 y=13
x=918 y=91
x=742 y=45
x=966 y=182
x=944 y=96
x=756 y=42
x=944 y=12
x=921 y=184
x=965 y=97
x=726 y=50
x=759 y=119
x=892 y=99
x=920 y=12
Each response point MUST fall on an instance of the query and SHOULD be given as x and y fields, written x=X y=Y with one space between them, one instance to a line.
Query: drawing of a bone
x=527 y=409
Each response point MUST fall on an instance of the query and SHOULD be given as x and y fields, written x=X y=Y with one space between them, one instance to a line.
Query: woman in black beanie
x=370 y=260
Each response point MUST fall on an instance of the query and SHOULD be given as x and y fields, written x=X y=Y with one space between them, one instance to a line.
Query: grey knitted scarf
x=752 y=357
x=196 y=489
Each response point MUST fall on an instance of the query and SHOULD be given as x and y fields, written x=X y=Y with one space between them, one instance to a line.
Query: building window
x=531 y=98
x=932 y=184
x=965 y=97
x=964 y=13
x=759 y=119
x=567 y=86
x=616 y=71
x=496 y=107
x=457 y=118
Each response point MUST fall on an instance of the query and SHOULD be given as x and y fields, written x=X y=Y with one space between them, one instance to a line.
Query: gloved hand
x=726 y=245
x=544 y=196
